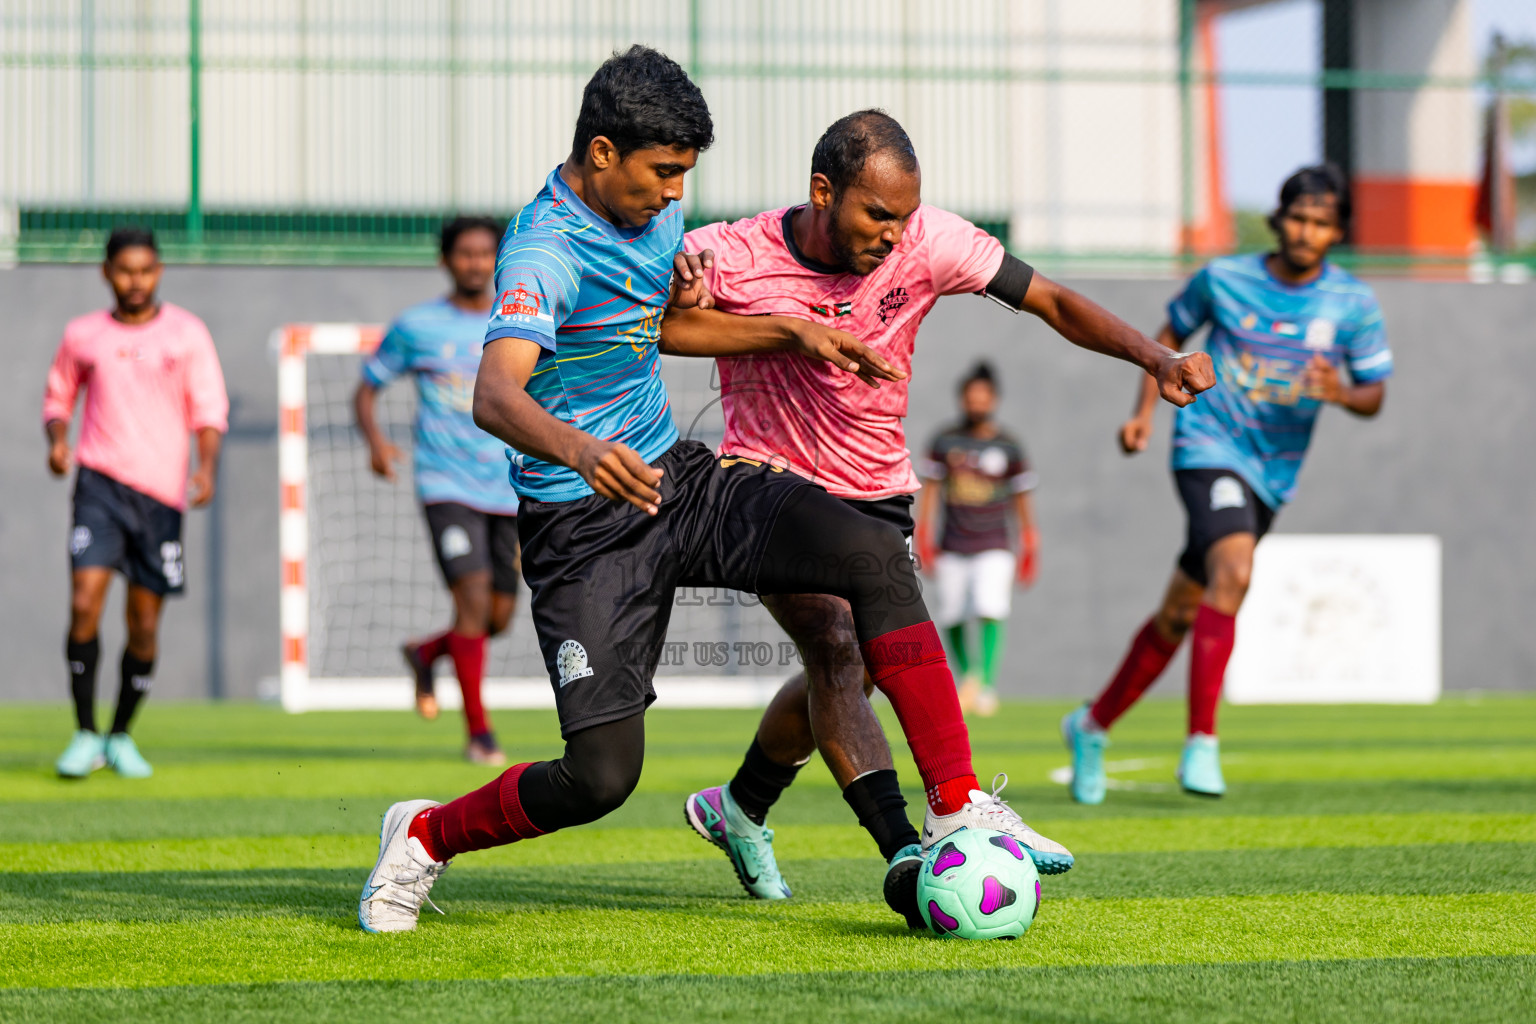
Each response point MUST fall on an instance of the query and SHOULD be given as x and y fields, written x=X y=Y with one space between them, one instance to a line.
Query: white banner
x=1340 y=619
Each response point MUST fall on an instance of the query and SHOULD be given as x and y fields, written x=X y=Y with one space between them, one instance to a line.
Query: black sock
x=82 y=658
x=876 y=798
x=133 y=688
x=759 y=782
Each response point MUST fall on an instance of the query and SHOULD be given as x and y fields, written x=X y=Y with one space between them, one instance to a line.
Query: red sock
x=433 y=647
x=909 y=667
x=468 y=654
x=1149 y=654
x=490 y=816
x=1210 y=647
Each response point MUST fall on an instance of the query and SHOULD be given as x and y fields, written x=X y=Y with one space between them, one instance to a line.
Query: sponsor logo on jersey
x=1286 y=328
x=891 y=304
x=455 y=542
x=571 y=659
x=834 y=310
x=1320 y=334
x=520 y=301
x=1227 y=492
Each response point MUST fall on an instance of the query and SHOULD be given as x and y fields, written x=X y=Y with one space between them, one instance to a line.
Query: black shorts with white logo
x=467 y=540
x=117 y=527
x=603 y=574
x=1218 y=503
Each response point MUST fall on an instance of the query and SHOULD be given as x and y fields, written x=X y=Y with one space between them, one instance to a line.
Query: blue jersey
x=1257 y=420
x=592 y=296
x=439 y=344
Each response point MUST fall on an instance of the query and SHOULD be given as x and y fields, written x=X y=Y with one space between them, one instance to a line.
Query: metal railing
x=343 y=131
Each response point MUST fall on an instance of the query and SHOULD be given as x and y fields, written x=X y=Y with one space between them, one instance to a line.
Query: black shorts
x=896 y=510
x=117 y=527
x=1218 y=503
x=603 y=574
x=467 y=540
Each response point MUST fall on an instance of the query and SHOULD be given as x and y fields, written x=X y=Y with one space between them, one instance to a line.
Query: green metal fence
x=343 y=131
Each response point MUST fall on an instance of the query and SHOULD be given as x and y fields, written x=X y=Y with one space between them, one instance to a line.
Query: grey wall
x=1449 y=455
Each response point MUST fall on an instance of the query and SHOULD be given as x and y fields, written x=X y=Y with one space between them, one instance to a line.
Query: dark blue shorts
x=117 y=527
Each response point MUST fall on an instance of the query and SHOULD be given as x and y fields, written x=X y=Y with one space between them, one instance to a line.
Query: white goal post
x=357 y=574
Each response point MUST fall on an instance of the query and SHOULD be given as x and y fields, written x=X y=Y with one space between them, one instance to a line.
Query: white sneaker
x=397 y=887
x=991 y=812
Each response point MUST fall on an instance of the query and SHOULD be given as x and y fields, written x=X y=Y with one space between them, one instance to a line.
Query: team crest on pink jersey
x=891 y=304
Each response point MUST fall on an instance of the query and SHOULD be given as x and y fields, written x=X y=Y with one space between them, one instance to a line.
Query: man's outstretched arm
x=693 y=327
x=1179 y=377
x=504 y=409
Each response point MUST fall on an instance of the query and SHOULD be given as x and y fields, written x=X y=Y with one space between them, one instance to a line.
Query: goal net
x=359 y=578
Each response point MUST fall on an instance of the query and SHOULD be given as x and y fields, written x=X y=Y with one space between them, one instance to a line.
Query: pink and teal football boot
x=714 y=815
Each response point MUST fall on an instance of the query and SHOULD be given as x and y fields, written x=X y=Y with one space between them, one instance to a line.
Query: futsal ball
x=978 y=884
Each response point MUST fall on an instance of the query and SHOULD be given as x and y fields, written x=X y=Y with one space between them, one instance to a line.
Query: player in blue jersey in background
x=1282 y=325
x=460 y=470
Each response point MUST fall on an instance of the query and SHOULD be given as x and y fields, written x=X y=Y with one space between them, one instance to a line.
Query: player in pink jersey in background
x=866 y=256
x=151 y=379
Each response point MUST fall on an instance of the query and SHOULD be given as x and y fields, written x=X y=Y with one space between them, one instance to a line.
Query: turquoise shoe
x=85 y=753
x=1087 y=742
x=714 y=815
x=1200 y=767
x=124 y=757
x=901 y=884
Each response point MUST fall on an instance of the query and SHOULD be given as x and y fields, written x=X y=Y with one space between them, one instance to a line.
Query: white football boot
x=991 y=812
x=397 y=887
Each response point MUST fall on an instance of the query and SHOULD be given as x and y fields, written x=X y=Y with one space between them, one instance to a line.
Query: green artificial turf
x=1368 y=864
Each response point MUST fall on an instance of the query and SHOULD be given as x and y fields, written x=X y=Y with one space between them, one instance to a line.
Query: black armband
x=1010 y=282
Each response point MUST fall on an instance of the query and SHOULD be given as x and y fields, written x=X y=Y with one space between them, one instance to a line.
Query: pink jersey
x=147 y=387
x=801 y=413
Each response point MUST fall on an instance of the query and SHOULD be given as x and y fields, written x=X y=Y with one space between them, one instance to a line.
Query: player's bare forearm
x=1024 y=512
x=504 y=409
x=923 y=528
x=1364 y=400
x=381 y=454
x=928 y=504
x=363 y=401
x=1088 y=325
x=709 y=333
x=696 y=331
x=1321 y=380
x=210 y=441
x=58 y=446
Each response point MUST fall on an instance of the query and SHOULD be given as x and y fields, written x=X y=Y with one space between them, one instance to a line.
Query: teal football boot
x=714 y=815
x=85 y=753
x=1200 y=767
x=124 y=757
x=1087 y=742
